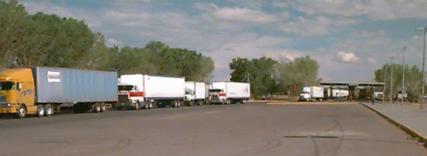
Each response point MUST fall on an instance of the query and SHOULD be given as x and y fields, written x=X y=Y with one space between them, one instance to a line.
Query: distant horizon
x=348 y=39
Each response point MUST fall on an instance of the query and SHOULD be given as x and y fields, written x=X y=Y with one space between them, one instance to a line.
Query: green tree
x=48 y=40
x=158 y=59
x=413 y=78
x=12 y=15
x=298 y=73
x=259 y=72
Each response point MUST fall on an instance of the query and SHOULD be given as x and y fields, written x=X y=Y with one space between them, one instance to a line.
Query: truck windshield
x=125 y=87
x=6 y=85
x=215 y=90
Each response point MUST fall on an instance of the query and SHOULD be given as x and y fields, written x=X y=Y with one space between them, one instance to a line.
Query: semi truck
x=195 y=93
x=42 y=91
x=229 y=92
x=157 y=90
x=312 y=93
x=131 y=92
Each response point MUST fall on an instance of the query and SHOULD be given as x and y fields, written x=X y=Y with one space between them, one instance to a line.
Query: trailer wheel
x=97 y=108
x=22 y=112
x=175 y=104
x=40 y=110
x=48 y=110
x=137 y=105
x=103 y=107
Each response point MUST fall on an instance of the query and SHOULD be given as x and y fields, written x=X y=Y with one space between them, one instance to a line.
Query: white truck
x=229 y=92
x=131 y=92
x=195 y=93
x=400 y=95
x=339 y=93
x=311 y=93
x=157 y=90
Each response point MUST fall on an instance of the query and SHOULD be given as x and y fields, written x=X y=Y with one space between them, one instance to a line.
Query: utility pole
x=424 y=29
x=391 y=80
x=384 y=80
x=403 y=74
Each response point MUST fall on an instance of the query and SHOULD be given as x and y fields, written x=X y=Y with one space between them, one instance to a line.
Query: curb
x=420 y=138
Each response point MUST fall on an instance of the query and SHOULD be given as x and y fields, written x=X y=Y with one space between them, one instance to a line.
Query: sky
x=349 y=39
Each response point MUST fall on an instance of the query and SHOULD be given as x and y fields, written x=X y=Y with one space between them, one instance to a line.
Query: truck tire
x=40 y=110
x=175 y=103
x=137 y=106
x=48 y=110
x=22 y=112
x=97 y=108
x=103 y=107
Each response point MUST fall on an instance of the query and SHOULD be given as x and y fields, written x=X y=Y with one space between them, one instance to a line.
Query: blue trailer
x=84 y=90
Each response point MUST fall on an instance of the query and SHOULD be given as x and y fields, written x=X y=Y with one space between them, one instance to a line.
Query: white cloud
x=113 y=42
x=205 y=6
x=374 y=10
x=280 y=4
x=249 y=30
x=235 y=14
x=346 y=57
x=371 y=60
x=318 y=25
x=290 y=56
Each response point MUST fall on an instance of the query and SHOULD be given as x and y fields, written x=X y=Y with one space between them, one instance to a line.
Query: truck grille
x=4 y=105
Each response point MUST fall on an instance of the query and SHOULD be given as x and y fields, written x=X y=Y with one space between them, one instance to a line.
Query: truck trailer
x=157 y=90
x=229 y=92
x=43 y=90
x=195 y=93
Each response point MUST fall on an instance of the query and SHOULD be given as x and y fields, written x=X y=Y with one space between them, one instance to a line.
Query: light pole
x=424 y=29
x=391 y=79
x=403 y=74
x=385 y=84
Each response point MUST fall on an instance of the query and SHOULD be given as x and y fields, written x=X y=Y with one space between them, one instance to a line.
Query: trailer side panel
x=63 y=85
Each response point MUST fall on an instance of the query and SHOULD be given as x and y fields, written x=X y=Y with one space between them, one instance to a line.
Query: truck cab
x=17 y=94
x=217 y=96
x=190 y=95
x=130 y=97
x=304 y=96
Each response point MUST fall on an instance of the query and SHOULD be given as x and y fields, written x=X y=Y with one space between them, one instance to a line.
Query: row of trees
x=413 y=77
x=268 y=76
x=48 y=40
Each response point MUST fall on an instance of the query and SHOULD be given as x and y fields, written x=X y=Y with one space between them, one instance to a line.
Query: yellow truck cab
x=17 y=92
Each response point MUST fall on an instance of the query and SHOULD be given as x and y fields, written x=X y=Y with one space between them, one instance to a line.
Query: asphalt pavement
x=229 y=130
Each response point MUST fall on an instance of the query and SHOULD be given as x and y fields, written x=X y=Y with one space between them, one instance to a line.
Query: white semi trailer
x=195 y=93
x=229 y=92
x=158 y=90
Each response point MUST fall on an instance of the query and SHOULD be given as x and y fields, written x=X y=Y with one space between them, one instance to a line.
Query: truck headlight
x=6 y=105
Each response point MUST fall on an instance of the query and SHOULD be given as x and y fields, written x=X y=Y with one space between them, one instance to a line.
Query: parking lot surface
x=229 y=130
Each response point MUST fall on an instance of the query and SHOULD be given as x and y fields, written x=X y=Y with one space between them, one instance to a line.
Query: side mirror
x=19 y=86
